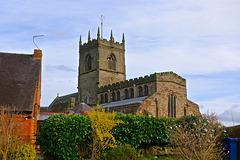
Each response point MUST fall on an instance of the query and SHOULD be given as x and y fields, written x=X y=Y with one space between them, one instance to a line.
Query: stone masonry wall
x=194 y=108
x=88 y=87
x=151 y=89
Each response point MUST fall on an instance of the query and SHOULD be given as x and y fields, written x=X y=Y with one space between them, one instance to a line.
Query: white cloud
x=188 y=37
x=64 y=68
x=52 y=86
x=231 y=115
x=219 y=104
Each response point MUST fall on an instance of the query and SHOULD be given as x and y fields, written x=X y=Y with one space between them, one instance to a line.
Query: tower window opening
x=118 y=96
x=106 y=98
x=111 y=62
x=126 y=94
x=87 y=99
x=146 y=90
x=140 y=91
x=102 y=99
x=113 y=96
x=88 y=62
x=131 y=93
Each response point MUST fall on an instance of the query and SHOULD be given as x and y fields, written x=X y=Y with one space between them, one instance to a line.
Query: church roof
x=63 y=99
x=19 y=74
x=45 y=115
x=124 y=102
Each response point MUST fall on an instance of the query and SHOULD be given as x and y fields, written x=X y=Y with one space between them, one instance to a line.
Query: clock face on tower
x=111 y=79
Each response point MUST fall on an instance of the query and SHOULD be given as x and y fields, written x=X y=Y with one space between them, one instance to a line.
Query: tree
x=101 y=124
x=197 y=137
x=11 y=136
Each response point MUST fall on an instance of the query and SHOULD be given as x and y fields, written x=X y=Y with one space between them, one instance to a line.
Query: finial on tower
x=102 y=17
x=89 y=38
x=123 y=39
x=80 y=41
x=98 y=34
x=111 y=38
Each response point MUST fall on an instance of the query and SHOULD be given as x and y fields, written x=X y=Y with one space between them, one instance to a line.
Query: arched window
x=146 y=90
x=118 y=96
x=131 y=93
x=102 y=99
x=106 y=98
x=87 y=99
x=88 y=62
x=172 y=106
x=113 y=96
x=140 y=91
x=126 y=94
x=111 y=62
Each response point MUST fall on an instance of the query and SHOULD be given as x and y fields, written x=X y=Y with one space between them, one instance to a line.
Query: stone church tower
x=101 y=62
x=102 y=80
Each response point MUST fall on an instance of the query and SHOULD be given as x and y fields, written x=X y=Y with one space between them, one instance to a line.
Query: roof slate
x=63 y=99
x=19 y=74
x=123 y=102
x=82 y=107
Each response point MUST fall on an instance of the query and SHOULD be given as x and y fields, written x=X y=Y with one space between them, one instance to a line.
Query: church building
x=102 y=80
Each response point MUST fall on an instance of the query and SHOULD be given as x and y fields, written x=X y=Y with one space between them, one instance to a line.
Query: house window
x=111 y=62
x=113 y=96
x=88 y=62
x=102 y=99
x=146 y=90
x=126 y=94
x=131 y=93
x=106 y=98
x=118 y=96
x=140 y=91
x=171 y=106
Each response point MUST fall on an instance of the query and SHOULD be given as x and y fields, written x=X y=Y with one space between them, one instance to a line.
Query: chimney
x=37 y=54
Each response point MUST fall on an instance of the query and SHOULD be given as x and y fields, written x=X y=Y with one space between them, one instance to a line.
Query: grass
x=161 y=158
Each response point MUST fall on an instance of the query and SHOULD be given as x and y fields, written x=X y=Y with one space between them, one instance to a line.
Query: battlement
x=98 y=41
x=156 y=77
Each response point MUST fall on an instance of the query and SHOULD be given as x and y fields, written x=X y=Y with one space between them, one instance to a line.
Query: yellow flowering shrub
x=101 y=124
x=25 y=152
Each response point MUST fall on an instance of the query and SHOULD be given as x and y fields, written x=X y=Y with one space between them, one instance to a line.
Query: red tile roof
x=82 y=107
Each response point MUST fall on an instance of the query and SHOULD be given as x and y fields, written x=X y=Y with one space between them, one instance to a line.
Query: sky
x=198 y=40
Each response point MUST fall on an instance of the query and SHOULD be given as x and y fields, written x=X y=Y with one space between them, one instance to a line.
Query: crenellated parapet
x=156 y=77
x=170 y=77
x=101 y=42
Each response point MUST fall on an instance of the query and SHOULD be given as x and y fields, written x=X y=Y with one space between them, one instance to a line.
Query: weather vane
x=102 y=17
x=35 y=37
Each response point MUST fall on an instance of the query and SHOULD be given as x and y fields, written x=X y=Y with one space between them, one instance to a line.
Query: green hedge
x=62 y=136
x=140 y=131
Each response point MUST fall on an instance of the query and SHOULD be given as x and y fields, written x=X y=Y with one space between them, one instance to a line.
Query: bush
x=140 y=131
x=102 y=124
x=25 y=151
x=122 y=152
x=10 y=131
x=71 y=137
x=196 y=137
x=63 y=136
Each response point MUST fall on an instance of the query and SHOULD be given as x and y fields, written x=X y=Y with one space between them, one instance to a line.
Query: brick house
x=20 y=87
